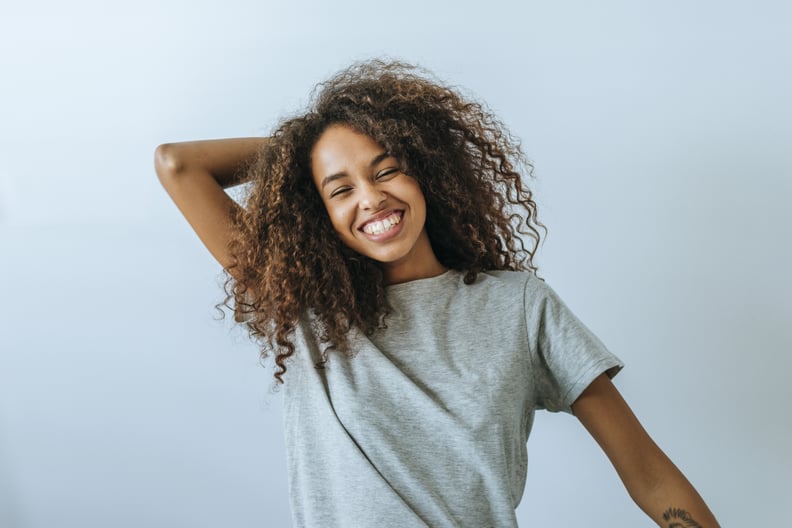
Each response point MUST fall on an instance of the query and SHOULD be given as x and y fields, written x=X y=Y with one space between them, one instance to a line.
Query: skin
x=359 y=181
x=195 y=174
x=653 y=481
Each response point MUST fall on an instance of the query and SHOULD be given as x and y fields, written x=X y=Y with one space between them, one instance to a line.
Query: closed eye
x=340 y=190
x=386 y=172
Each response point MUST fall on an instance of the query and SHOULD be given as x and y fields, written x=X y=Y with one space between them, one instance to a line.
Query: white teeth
x=380 y=226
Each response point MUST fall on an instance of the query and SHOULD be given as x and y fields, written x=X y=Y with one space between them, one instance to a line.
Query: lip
x=379 y=216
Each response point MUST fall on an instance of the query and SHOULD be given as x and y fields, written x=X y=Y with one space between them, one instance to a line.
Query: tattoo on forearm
x=679 y=518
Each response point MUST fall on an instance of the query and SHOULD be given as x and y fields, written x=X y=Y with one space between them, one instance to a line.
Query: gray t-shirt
x=427 y=425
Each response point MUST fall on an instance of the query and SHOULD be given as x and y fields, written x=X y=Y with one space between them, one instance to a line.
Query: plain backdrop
x=660 y=134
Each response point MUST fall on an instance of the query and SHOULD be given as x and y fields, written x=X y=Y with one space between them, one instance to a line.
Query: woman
x=379 y=257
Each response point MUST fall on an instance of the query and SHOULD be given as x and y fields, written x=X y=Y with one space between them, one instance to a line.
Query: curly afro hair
x=287 y=259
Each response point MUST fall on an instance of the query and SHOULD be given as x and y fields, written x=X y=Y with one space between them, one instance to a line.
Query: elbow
x=167 y=162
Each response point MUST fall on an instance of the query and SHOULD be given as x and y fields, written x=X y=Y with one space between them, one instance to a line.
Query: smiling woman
x=376 y=209
x=296 y=246
x=380 y=257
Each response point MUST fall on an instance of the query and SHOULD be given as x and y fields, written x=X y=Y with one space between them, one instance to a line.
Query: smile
x=381 y=226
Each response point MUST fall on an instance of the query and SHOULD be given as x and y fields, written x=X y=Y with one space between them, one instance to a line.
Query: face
x=376 y=209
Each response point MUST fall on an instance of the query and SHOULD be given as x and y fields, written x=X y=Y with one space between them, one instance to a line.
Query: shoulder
x=515 y=291
x=525 y=283
x=511 y=278
x=537 y=299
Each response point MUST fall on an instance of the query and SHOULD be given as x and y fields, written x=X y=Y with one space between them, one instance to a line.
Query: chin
x=384 y=258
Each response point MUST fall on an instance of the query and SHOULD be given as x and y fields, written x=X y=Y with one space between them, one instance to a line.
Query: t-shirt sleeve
x=565 y=355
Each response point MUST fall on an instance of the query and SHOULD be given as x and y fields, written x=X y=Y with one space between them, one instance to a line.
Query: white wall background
x=661 y=135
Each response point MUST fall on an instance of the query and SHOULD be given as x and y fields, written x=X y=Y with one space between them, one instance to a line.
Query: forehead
x=340 y=149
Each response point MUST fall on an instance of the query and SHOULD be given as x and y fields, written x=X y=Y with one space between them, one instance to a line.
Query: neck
x=419 y=263
x=399 y=274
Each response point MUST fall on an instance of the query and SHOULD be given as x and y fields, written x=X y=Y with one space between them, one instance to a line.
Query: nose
x=371 y=197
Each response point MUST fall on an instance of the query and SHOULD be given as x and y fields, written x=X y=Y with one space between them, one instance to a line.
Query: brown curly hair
x=288 y=260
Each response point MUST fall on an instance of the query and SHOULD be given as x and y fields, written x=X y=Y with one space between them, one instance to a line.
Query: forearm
x=653 y=481
x=670 y=500
x=224 y=159
x=195 y=174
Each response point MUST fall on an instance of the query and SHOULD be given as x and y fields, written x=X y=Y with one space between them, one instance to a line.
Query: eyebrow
x=343 y=174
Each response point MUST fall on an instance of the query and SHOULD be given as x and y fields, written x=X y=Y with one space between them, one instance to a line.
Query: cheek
x=339 y=217
x=419 y=200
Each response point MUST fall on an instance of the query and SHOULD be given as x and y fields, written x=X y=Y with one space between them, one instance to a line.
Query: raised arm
x=195 y=174
x=653 y=481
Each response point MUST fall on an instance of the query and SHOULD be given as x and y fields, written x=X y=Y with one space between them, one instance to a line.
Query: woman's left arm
x=653 y=481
